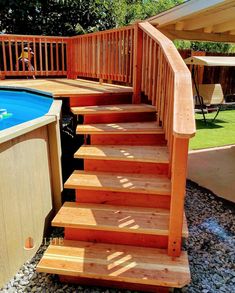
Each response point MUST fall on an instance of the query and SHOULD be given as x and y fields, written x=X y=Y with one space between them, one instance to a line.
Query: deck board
x=120 y=128
x=150 y=154
x=139 y=265
x=153 y=221
x=63 y=87
x=123 y=182
x=110 y=109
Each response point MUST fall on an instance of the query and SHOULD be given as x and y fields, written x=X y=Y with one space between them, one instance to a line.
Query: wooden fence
x=49 y=57
x=103 y=55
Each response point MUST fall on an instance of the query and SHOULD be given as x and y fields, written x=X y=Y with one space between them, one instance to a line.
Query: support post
x=178 y=182
x=55 y=163
x=137 y=64
x=70 y=62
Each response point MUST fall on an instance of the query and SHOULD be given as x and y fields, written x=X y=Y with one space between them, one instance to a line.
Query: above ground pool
x=18 y=106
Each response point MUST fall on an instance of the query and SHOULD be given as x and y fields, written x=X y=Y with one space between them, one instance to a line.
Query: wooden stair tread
x=120 y=128
x=151 y=154
x=121 y=263
x=109 y=109
x=137 y=183
x=114 y=218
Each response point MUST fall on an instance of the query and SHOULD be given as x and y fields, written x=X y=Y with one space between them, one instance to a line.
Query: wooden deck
x=63 y=87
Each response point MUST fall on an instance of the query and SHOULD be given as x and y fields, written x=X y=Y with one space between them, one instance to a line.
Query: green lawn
x=219 y=133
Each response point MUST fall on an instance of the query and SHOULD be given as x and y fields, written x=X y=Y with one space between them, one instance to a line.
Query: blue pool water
x=20 y=106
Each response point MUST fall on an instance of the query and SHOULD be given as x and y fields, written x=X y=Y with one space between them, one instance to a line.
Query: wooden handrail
x=26 y=37
x=104 y=32
x=166 y=81
x=183 y=117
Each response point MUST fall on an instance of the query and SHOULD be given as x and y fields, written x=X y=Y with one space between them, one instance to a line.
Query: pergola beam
x=210 y=19
x=199 y=36
x=225 y=26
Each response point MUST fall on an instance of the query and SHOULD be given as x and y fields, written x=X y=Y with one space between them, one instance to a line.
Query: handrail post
x=137 y=64
x=178 y=182
x=70 y=62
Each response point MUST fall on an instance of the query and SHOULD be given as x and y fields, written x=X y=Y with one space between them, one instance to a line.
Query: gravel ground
x=210 y=247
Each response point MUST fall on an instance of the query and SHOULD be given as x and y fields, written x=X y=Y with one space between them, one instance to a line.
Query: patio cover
x=211 y=60
x=202 y=20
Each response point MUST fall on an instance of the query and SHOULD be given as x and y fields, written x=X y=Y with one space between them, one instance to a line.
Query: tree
x=71 y=17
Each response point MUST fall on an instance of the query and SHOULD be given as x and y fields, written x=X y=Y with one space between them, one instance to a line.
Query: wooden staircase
x=117 y=231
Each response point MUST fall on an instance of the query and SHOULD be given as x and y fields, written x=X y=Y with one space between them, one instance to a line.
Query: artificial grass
x=219 y=133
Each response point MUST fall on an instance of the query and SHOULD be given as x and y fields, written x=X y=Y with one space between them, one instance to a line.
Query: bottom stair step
x=118 y=263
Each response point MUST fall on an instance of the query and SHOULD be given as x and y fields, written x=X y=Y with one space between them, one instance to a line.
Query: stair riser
x=129 y=167
x=100 y=99
x=119 y=117
x=123 y=238
x=113 y=284
x=128 y=139
x=121 y=198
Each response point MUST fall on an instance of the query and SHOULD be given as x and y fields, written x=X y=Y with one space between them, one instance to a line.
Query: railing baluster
x=150 y=73
x=40 y=57
x=137 y=64
x=143 y=62
x=35 y=56
x=10 y=54
x=22 y=53
x=17 y=55
x=46 y=57
x=4 y=57
x=62 y=47
x=154 y=73
x=51 y=56
x=131 y=55
x=57 y=56
x=159 y=82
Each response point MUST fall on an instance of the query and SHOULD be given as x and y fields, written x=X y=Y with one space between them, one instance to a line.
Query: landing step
x=137 y=183
x=110 y=109
x=149 y=154
x=120 y=263
x=114 y=218
x=120 y=128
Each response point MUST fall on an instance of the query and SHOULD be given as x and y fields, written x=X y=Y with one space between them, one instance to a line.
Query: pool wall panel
x=30 y=192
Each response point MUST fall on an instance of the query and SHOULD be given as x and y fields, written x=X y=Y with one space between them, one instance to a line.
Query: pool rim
x=52 y=115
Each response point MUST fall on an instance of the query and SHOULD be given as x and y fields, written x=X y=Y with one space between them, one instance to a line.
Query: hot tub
x=30 y=173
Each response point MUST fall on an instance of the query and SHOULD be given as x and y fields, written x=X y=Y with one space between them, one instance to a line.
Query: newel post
x=178 y=182
x=137 y=64
x=70 y=60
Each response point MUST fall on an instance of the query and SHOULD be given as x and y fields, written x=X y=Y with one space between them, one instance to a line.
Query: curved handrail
x=183 y=108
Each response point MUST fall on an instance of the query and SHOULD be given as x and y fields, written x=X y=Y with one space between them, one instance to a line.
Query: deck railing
x=139 y=55
x=161 y=75
x=49 y=56
x=104 y=55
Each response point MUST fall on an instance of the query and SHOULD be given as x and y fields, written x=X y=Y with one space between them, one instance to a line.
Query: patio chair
x=210 y=99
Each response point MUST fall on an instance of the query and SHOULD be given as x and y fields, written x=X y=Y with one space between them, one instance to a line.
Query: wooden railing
x=162 y=76
x=139 y=55
x=104 y=55
x=49 y=56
